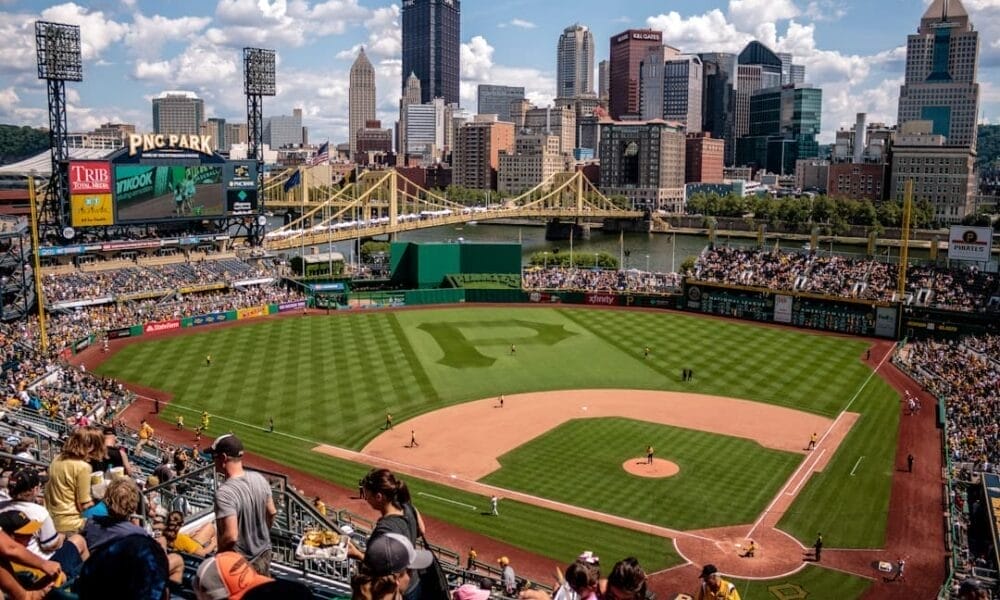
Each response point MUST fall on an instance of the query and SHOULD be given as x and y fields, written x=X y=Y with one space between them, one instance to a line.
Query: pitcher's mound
x=659 y=468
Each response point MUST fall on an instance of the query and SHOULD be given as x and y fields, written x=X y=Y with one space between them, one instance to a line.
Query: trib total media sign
x=90 y=193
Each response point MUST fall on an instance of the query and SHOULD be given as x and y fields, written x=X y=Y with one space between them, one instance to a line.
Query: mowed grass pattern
x=332 y=379
x=580 y=462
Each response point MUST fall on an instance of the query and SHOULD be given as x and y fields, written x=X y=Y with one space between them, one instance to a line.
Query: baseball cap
x=15 y=521
x=228 y=445
x=23 y=480
x=469 y=591
x=503 y=560
x=391 y=553
x=707 y=570
x=225 y=576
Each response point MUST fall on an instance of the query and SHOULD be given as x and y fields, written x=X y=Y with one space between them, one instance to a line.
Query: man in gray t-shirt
x=244 y=506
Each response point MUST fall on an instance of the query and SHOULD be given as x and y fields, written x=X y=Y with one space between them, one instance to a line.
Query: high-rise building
x=236 y=133
x=411 y=95
x=628 y=50
x=114 y=130
x=671 y=87
x=784 y=124
x=178 y=112
x=496 y=99
x=431 y=47
x=559 y=121
x=791 y=73
x=215 y=128
x=284 y=130
x=941 y=174
x=535 y=158
x=703 y=158
x=373 y=143
x=644 y=161
x=425 y=130
x=477 y=153
x=718 y=84
x=603 y=81
x=575 y=62
x=942 y=63
x=360 y=98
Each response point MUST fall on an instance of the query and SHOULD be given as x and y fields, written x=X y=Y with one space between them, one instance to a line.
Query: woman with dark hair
x=391 y=498
x=627 y=581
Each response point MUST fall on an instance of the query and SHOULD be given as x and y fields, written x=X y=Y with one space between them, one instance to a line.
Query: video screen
x=156 y=193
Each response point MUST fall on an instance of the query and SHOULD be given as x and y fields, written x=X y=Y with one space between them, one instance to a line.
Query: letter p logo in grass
x=460 y=340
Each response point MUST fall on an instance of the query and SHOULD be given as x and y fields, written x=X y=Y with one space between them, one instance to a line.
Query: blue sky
x=133 y=49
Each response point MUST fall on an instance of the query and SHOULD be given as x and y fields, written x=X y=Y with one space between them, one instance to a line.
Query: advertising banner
x=885 y=321
x=543 y=297
x=782 y=309
x=287 y=306
x=144 y=295
x=91 y=210
x=241 y=187
x=117 y=334
x=253 y=311
x=83 y=343
x=133 y=245
x=970 y=243
x=162 y=326
x=209 y=319
x=205 y=287
x=90 y=193
x=603 y=299
x=136 y=330
x=327 y=287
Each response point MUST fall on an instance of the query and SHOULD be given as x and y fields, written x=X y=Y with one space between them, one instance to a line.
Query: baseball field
x=586 y=392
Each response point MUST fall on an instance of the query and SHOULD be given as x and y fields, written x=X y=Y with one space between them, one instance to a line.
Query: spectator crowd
x=601 y=280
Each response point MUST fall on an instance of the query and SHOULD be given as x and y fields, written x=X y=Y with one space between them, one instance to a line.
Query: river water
x=647 y=251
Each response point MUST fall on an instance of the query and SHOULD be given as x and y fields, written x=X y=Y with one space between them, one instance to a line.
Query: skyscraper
x=942 y=61
x=672 y=87
x=361 y=98
x=757 y=68
x=575 y=62
x=603 y=81
x=783 y=125
x=496 y=99
x=178 y=112
x=628 y=50
x=284 y=130
x=938 y=108
x=431 y=49
x=790 y=72
x=719 y=79
x=411 y=95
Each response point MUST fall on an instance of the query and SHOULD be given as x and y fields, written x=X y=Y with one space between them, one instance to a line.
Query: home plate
x=584 y=407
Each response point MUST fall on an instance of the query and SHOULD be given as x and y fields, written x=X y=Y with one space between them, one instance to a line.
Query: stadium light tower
x=59 y=61
x=258 y=81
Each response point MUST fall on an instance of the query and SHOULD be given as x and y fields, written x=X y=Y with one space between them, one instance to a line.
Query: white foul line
x=446 y=500
x=815 y=462
x=856 y=464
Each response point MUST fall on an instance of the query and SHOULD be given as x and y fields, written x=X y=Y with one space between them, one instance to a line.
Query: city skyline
x=134 y=50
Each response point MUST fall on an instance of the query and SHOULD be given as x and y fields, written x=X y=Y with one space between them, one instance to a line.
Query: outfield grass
x=574 y=463
x=332 y=379
x=812 y=582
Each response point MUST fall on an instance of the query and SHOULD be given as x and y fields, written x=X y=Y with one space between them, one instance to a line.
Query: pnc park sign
x=148 y=142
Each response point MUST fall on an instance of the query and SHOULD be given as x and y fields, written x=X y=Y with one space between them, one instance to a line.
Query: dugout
x=427 y=265
x=324 y=264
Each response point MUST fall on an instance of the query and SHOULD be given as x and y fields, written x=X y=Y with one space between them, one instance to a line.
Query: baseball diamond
x=581 y=398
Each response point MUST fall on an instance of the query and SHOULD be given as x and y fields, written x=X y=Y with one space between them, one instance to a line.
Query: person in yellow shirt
x=714 y=587
x=177 y=541
x=204 y=420
x=145 y=436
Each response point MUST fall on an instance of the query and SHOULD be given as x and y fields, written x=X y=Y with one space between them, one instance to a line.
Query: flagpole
x=621 y=249
x=302 y=236
x=571 y=228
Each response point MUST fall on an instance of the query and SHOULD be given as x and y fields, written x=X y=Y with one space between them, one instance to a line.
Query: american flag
x=322 y=155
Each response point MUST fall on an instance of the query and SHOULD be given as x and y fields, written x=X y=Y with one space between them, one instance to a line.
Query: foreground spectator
x=386 y=568
x=67 y=493
x=122 y=500
x=244 y=506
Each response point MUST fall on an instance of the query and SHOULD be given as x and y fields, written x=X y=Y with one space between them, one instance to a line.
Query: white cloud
x=699 y=33
x=9 y=100
x=201 y=64
x=147 y=35
x=17 y=43
x=96 y=32
x=520 y=23
x=385 y=37
x=478 y=67
x=751 y=13
x=825 y=10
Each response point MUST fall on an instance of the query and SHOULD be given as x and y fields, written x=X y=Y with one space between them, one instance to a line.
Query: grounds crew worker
x=714 y=587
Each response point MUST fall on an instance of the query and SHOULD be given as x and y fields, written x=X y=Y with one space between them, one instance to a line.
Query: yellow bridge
x=385 y=203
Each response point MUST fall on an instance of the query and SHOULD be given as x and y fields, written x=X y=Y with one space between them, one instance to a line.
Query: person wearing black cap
x=244 y=506
x=714 y=587
x=385 y=570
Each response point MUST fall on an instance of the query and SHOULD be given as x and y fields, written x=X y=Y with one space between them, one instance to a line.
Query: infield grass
x=332 y=379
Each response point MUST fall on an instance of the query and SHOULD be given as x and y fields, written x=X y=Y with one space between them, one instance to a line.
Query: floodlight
x=58 y=47
x=258 y=72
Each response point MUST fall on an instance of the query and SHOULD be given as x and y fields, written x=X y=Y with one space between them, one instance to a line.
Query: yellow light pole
x=43 y=338
x=905 y=248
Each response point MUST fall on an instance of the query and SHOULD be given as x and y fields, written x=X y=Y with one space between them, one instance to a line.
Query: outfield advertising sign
x=287 y=306
x=90 y=194
x=970 y=243
x=250 y=313
x=602 y=299
x=162 y=326
x=116 y=334
x=783 y=309
x=209 y=319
